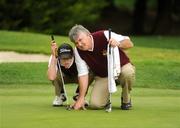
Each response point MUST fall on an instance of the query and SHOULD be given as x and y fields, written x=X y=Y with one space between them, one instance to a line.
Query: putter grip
x=109 y=31
x=52 y=37
x=56 y=54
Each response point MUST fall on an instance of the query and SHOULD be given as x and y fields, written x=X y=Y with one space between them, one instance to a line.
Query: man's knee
x=56 y=82
x=128 y=72
x=96 y=104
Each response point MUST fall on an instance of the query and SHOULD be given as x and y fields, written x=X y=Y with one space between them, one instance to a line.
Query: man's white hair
x=75 y=30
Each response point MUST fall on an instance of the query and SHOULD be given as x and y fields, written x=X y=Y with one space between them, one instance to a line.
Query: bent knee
x=128 y=72
x=97 y=104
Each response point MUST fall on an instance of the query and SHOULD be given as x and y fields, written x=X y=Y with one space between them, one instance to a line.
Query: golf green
x=28 y=106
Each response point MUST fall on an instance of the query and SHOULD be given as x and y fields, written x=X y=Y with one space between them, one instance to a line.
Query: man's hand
x=53 y=48
x=124 y=44
x=83 y=84
x=113 y=42
x=79 y=104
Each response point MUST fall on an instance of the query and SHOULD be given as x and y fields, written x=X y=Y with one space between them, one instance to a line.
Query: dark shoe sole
x=57 y=105
x=126 y=106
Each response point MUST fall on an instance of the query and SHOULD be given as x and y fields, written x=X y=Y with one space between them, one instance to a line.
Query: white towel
x=114 y=68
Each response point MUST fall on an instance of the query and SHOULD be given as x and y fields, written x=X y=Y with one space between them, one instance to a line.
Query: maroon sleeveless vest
x=97 y=59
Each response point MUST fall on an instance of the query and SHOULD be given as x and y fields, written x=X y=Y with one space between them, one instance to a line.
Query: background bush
x=48 y=16
x=137 y=17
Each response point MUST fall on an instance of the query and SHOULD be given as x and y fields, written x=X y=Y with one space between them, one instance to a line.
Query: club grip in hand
x=109 y=32
x=56 y=53
x=52 y=37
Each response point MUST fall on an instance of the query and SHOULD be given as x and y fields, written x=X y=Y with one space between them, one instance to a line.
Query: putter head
x=109 y=110
x=69 y=107
x=108 y=107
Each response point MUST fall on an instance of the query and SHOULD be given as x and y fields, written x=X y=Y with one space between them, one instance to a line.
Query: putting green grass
x=156 y=47
x=26 y=95
x=151 y=74
x=27 y=42
x=30 y=106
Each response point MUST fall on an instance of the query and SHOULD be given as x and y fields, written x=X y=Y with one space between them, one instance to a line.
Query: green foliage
x=50 y=16
x=128 y=4
x=14 y=14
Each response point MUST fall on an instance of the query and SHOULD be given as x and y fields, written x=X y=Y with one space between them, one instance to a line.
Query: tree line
x=58 y=16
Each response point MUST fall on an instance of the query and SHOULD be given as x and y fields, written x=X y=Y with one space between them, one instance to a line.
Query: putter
x=60 y=71
x=52 y=37
x=62 y=79
x=109 y=31
x=108 y=107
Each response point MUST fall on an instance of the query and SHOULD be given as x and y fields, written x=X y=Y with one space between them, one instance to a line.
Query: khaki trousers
x=100 y=95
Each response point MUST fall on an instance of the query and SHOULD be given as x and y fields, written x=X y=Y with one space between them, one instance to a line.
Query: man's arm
x=118 y=40
x=82 y=78
x=83 y=85
x=125 y=44
x=52 y=71
x=52 y=67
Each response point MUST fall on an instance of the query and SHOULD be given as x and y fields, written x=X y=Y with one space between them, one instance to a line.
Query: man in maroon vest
x=90 y=53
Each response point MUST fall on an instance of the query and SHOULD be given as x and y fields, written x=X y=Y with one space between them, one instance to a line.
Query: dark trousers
x=68 y=80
